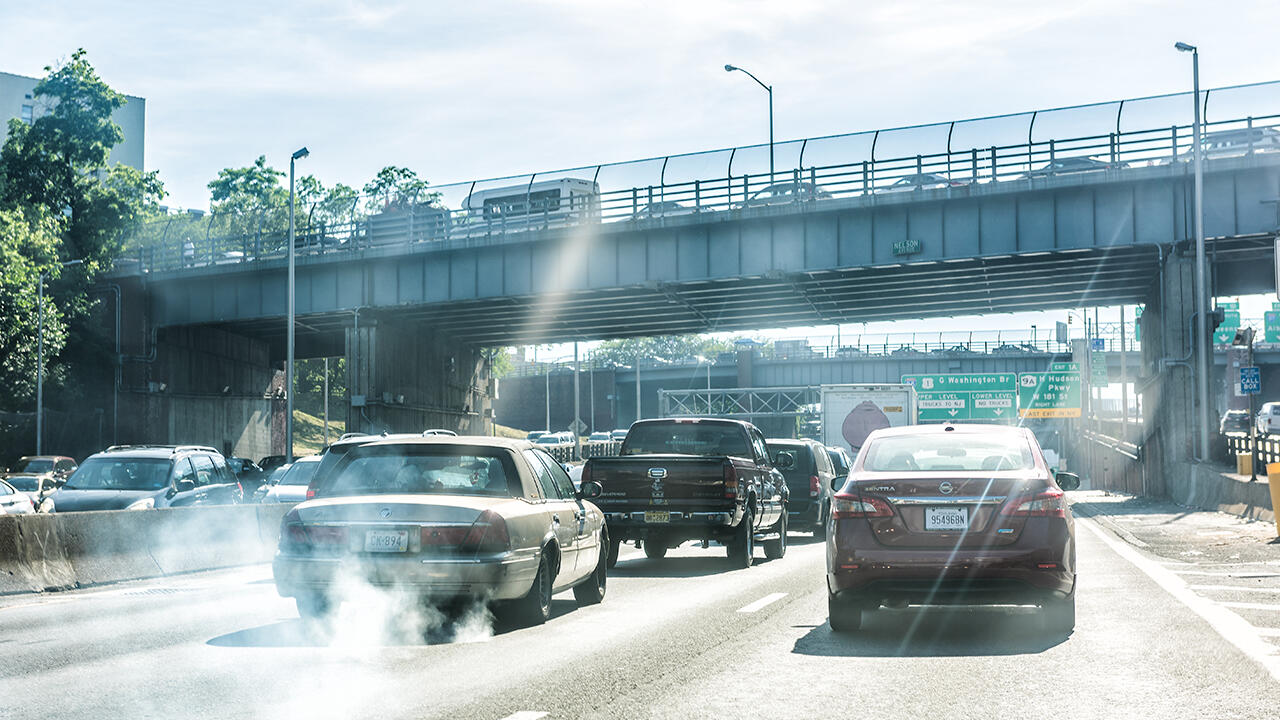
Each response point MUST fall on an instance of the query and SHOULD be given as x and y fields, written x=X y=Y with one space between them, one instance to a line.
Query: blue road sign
x=1098 y=344
x=1250 y=380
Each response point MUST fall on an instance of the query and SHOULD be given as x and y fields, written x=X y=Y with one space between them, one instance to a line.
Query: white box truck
x=851 y=412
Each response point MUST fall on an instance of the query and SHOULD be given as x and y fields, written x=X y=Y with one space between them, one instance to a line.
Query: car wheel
x=614 y=547
x=844 y=616
x=821 y=530
x=313 y=606
x=535 y=607
x=655 y=547
x=742 y=546
x=1060 y=614
x=591 y=590
x=775 y=549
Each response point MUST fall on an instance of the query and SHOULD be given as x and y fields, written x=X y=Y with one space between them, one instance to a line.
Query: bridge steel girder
x=1017 y=245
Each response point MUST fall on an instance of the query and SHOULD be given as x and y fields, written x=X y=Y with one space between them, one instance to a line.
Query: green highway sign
x=1271 y=326
x=984 y=397
x=1098 y=376
x=1062 y=367
x=1049 y=395
x=1137 y=324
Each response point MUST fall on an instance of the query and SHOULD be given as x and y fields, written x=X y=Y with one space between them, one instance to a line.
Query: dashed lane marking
x=526 y=715
x=762 y=602
x=1233 y=628
x=1250 y=606
x=1235 y=588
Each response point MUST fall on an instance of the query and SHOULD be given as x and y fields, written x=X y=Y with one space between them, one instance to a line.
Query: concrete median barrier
x=61 y=551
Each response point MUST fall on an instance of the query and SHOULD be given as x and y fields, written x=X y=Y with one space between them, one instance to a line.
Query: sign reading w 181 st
x=1049 y=395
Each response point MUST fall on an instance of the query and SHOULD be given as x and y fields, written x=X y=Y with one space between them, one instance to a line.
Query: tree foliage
x=660 y=348
x=60 y=202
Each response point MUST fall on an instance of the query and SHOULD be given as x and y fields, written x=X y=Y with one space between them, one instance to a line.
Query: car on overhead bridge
x=786 y=192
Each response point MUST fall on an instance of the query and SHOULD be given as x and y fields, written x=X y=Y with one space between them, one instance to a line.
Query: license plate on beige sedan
x=386 y=541
x=657 y=516
x=946 y=518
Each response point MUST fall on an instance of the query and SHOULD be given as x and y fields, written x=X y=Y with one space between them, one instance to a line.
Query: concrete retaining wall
x=1206 y=486
x=64 y=551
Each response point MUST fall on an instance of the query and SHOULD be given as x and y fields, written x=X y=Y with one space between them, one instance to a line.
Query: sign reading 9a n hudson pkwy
x=1049 y=395
x=983 y=397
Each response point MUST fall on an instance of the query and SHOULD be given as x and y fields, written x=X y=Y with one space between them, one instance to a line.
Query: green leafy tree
x=394 y=187
x=59 y=202
x=662 y=348
x=309 y=381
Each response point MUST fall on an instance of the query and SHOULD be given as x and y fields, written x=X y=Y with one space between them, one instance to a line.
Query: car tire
x=843 y=616
x=591 y=590
x=742 y=545
x=820 y=531
x=535 y=607
x=776 y=549
x=1060 y=614
x=655 y=547
x=313 y=606
x=614 y=547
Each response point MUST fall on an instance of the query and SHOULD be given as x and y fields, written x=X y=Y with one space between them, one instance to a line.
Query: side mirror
x=1067 y=481
x=837 y=482
x=183 y=485
x=785 y=460
x=590 y=490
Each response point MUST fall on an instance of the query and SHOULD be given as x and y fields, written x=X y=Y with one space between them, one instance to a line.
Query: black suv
x=809 y=479
x=141 y=477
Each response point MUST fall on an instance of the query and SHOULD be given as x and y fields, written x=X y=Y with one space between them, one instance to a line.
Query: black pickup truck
x=693 y=479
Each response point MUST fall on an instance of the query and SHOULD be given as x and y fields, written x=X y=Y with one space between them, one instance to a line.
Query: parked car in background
x=1268 y=418
x=785 y=192
x=535 y=434
x=598 y=437
x=447 y=519
x=250 y=475
x=1236 y=143
x=39 y=475
x=291 y=486
x=271 y=462
x=14 y=502
x=618 y=434
x=661 y=209
x=809 y=475
x=439 y=431
x=141 y=477
x=922 y=181
x=951 y=514
x=840 y=460
x=272 y=479
x=1072 y=165
x=1234 y=422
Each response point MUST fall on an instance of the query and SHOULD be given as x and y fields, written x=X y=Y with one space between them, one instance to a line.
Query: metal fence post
x=995 y=172
x=697 y=195
x=974 y=177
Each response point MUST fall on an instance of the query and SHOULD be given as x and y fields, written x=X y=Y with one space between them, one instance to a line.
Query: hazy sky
x=457 y=91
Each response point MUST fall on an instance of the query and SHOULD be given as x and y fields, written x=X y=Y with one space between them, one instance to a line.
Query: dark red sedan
x=951 y=515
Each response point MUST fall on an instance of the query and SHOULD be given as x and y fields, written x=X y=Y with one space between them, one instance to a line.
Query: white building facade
x=17 y=100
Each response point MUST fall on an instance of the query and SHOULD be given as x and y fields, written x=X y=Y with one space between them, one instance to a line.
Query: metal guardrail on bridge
x=824 y=169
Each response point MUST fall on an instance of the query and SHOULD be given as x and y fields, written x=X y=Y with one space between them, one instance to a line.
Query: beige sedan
x=446 y=518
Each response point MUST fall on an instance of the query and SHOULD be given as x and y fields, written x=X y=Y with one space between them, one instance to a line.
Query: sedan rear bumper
x=505 y=576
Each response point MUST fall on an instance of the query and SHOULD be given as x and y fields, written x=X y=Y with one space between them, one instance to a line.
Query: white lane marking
x=1233 y=628
x=1233 y=588
x=762 y=602
x=1249 y=575
x=1250 y=606
x=1267 y=631
x=526 y=715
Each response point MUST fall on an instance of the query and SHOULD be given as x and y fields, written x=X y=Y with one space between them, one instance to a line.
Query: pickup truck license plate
x=386 y=541
x=657 y=516
x=946 y=518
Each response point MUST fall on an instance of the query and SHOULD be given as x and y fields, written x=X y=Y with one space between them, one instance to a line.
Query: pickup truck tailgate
x=656 y=480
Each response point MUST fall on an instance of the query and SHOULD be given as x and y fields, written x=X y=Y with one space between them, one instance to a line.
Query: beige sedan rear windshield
x=951 y=451
x=435 y=470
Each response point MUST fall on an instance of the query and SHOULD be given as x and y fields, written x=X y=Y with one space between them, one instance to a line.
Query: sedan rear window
x=939 y=452
x=423 y=469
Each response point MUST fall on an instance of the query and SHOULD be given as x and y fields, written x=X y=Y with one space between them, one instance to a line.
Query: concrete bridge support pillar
x=1168 y=382
x=404 y=377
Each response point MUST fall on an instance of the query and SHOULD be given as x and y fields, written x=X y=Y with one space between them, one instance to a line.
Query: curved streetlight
x=1202 y=289
x=769 y=89
x=289 y=352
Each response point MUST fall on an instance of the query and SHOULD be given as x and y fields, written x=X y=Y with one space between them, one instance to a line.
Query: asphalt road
x=677 y=638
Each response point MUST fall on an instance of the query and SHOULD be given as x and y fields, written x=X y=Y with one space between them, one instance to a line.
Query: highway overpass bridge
x=412 y=292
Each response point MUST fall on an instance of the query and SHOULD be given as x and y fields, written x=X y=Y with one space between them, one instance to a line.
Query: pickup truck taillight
x=815 y=486
x=844 y=507
x=730 y=481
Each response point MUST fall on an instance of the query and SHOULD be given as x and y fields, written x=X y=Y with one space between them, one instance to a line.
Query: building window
x=27 y=112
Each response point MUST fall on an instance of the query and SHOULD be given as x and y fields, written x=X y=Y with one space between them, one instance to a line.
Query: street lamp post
x=40 y=355
x=1202 y=290
x=289 y=350
x=769 y=89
